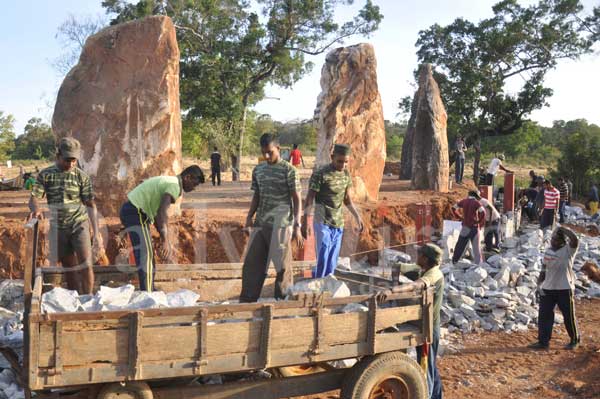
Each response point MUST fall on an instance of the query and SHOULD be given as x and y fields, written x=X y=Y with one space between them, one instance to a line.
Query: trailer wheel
x=131 y=390
x=391 y=375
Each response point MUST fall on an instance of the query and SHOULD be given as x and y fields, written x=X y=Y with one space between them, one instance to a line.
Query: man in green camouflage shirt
x=68 y=191
x=277 y=205
x=329 y=188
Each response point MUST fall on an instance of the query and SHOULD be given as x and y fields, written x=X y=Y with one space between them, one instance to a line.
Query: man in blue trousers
x=329 y=190
x=429 y=257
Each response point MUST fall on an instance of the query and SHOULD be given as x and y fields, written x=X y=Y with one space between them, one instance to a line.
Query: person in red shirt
x=473 y=220
x=296 y=157
x=551 y=202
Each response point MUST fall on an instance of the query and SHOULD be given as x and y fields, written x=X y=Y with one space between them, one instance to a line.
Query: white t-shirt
x=559 y=268
x=491 y=213
x=494 y=166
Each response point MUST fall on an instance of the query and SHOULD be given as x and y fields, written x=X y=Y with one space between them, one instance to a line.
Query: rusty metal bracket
x=372 y=326
x=201 y=352
x=265 y=336
x=135 y=334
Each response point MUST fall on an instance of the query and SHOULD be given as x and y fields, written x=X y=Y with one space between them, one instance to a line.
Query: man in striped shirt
x=551 y=201
x=563 y=189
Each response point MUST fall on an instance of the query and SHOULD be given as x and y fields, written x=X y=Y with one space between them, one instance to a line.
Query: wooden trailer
x=160 y=353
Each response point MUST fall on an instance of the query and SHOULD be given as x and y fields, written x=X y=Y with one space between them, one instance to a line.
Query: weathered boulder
x=349 y=111
x=121 y=101
x=430 y=165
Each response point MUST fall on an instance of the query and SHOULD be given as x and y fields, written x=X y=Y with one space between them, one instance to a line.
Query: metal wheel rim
x=302 y=369
x=392 y=387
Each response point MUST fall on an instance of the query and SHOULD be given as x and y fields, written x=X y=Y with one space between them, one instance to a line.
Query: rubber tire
x=140 y=390
x=362 y=378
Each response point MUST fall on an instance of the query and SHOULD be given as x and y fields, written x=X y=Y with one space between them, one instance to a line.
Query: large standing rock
x=349 y=111
x=407 y=145
x=121 y=101
x=431 y=169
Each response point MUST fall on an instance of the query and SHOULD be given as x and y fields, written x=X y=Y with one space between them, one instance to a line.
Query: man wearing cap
x=428 y=260
x=278 y=208
x=329 y=190
x=556 y=285
x=495 y=165
x=473 y=219
x=70 y=197
x=149 y=203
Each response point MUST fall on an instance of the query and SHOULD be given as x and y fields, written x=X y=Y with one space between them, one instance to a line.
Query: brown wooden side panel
x=99 y=373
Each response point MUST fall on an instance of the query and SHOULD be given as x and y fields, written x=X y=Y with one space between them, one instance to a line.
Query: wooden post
x=509 y=192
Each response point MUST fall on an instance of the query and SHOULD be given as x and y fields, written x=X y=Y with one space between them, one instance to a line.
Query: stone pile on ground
x=11 y=335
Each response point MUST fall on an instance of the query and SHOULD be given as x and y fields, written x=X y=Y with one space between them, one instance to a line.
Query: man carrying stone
x=277 y=205
x=149 y=203
x=551 y=201
x=428 y=260
x=473 y=219
x=329 y=190
x=491 y=235
x=460 y=159
x=70 y=197
x=556 y=285
x=215 y=166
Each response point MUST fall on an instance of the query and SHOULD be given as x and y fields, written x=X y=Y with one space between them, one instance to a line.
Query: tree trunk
x=237 y=169
x=476 y=162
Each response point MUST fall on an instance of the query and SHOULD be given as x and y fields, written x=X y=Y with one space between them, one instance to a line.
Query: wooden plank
x=107 y=372
x=265 y=389
x=135 y=345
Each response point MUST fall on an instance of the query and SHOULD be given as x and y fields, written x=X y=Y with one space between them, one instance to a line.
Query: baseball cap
x=69 y=147
x=432 y=251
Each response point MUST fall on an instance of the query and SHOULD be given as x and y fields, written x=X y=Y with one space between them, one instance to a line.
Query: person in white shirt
x=556 y=285
x=492 y=226
x=495 y=165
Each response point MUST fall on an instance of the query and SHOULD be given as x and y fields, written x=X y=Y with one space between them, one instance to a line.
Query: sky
x=28 y=83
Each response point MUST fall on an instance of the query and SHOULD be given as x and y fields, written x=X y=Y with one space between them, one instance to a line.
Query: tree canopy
x=7 y=135
x=36 y=142
x=230 y=50
x=491 y=73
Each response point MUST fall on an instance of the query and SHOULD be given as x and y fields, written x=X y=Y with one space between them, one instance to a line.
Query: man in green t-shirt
x=68 y=191
x=329 y=190
x=149 y=203
x=429 y=257
x=277 y=205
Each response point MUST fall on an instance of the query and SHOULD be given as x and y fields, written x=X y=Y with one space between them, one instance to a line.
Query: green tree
x=519 y=44
x=229 y=53
x=37 y=141
x=394 y=137
x=7 y=135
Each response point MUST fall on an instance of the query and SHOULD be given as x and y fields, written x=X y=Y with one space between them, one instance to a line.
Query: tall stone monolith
x=121 y=101
x=430 y=166
x=349 y=111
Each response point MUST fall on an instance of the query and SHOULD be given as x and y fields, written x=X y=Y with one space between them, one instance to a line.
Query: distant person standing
x=495 y=165
x=296 y=157
x=329 y=190
x=460 y=159
x=473 y=219
x=534 y=179
x=593 y=199
x=556 y=285
x=215 y=166
x=563 y=189
x=551 y=201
